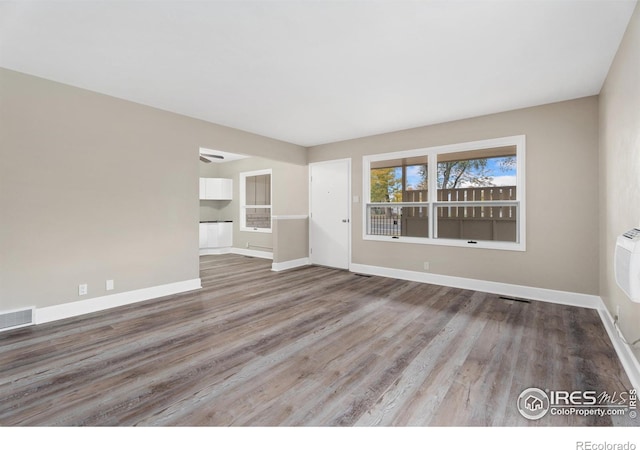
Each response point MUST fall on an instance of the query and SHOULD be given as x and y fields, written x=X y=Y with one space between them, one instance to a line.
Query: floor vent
x=16 y=319
x=521 y=300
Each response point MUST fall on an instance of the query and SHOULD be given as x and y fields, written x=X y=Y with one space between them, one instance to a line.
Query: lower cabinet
x=203 y=234
x=225 y=234
x=217 y=235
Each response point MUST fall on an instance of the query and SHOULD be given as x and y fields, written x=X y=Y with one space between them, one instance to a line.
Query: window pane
x=398 y=221
x=258 y=190
x=481 y=223
x=478 y=175
x=400 y=180
x=258 y=217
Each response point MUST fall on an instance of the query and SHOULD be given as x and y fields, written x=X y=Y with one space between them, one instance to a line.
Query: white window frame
x=432 y=203
x=243 y=200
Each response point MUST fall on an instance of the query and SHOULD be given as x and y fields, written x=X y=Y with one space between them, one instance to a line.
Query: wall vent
x=16 y=319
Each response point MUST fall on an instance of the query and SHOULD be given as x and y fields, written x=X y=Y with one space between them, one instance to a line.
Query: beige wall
x=291 y=239
x=95 y=188
x=562 y=192
x=620 y=169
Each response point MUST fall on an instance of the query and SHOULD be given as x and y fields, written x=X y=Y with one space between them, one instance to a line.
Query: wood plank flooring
x=309 y=346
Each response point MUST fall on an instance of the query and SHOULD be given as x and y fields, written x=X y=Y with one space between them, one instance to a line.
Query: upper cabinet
x=216 y=189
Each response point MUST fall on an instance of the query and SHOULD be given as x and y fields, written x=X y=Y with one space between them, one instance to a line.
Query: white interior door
x=330 y=215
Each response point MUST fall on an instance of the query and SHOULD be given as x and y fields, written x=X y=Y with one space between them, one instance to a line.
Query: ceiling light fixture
x=205 y=158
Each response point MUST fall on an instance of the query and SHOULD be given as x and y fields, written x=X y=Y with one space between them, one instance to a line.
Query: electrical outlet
x=83 y=289
x=109 y=286
x=247 y=245
x=426 y=265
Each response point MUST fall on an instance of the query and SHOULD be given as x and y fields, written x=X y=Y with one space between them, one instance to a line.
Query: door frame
x=349 y=208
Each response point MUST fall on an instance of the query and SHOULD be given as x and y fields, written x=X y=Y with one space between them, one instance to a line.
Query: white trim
x=292 y=264
x=243 y=199
x=236 y=251
x=432 y=152
x=252 y=253
x=215 y=251
x=72 y=309
x=511 y=290
x=450 y=148
x=490 y=245
x=625 y=353
x=291 y=217
x=259 y=230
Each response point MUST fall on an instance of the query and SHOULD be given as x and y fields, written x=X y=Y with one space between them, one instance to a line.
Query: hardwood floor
x=309 y=346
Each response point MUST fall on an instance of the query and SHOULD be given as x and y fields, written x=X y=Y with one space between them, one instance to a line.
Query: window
x=403 y=183
x=255 y=201
x=468 y=195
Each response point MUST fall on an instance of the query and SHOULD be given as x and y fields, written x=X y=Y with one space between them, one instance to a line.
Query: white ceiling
x=312 y=72
x=226 y=156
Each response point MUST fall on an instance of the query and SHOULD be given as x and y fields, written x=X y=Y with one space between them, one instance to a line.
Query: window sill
x=487 y=245
x=256 y=230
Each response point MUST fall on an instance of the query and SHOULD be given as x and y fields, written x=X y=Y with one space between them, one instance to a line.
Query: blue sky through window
x=501 y=174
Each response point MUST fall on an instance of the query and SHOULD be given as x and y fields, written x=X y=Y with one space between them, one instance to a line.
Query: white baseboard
x=511 y=290
x=71 y=309
x=215 y=251
x=236 y=251
x=285 y=265
x=291 y=217
x=253 y=253
x=625 y=354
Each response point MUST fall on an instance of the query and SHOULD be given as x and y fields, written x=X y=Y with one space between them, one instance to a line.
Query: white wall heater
x=627 y=263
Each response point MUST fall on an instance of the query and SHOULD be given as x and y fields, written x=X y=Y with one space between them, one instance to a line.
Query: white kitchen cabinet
x=224 y=188
x=216 y=189
x=204 y=229
x=212 y=235
x=215 y=237
x=225 y=234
